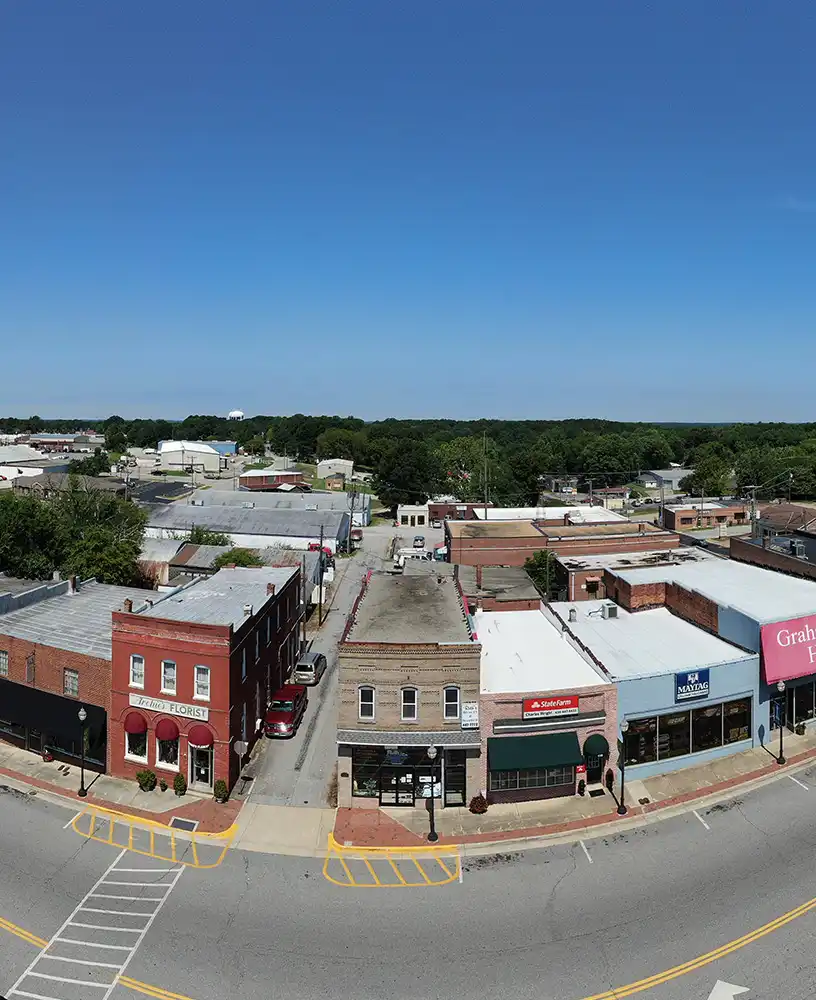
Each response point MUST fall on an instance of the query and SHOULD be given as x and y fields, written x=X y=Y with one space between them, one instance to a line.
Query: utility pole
x=662 y=504
x=754 y=525
x=303 y=600
x=590 y=492
x=484 y=471
x=320 y=594
x=700 y=511
x=352 y=499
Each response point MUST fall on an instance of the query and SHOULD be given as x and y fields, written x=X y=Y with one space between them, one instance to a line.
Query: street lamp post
x=83 y=715
x=433 y=836
x=622 y=762
x=780 y=687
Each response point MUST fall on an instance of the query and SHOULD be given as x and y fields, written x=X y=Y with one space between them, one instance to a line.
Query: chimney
x=270 y=588
x=72 y=584
x=247 y=609
x=128 y=605
x=573 y=615
x=478 y=576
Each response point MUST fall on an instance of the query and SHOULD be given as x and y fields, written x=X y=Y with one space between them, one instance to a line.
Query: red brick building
x=440 y=510
x=192 y=674
x=705 y=515
x=269 y=479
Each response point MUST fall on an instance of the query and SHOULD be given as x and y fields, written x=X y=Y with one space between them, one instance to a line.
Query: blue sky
x=437 y=208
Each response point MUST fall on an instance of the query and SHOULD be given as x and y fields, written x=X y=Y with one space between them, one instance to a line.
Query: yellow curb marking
x=444 y=863
x=118 y=829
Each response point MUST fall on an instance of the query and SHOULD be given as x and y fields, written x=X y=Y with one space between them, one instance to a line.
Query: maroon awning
x=166 y=729
x=135 y=723
x=200 y=736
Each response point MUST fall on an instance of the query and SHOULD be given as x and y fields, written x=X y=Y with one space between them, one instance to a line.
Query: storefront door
x=397 y=786
x=35 y=741
x=201 y=766
x=594 y=768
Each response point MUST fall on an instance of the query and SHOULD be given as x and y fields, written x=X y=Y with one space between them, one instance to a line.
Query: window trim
x=167 y=690
x=458 y=690
x=133 y=756
x=65 y=692
x=132 y=683
x=373 y=690
x=4 y=663
x=403 y=691
x=196 y=695
x=163 y=765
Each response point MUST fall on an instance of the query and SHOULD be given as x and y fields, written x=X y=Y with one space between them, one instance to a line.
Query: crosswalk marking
x=94 y=975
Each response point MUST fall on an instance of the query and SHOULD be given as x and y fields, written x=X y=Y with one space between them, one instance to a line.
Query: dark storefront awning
x=596 y=744
x=518 y=753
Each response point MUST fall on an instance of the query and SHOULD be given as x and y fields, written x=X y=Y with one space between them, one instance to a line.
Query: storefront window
x=168 y=752
x=541 y=777
x=803 y=694
x=365 y=768
x=136 y=745
x=640 y=743
x=706 y=728
x=674 y=736
x=737 y=720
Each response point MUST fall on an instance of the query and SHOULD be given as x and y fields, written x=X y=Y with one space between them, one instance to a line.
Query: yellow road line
x=397 y=872
x=422 y=871
x=444 y=867
x=7 y=925
x=151 y=991
x=373 y=873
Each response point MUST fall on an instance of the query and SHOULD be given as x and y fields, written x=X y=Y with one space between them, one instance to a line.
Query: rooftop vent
x=609 y=610
x=248 y=504
x=310 y=506
x=270 y=588
x=247 y=609
x=573 y=615
x=128 y=605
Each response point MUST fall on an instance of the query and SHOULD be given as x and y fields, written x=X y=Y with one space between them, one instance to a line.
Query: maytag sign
x=543 y=708
x=691 y=686
x=789 y=649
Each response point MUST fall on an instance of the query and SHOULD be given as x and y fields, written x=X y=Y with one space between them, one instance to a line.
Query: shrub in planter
x=47 y=756
x=220 y=790
x=163 y=785
x=179 y=784
x=478 y=804
x=146 y=779
x=581 y=786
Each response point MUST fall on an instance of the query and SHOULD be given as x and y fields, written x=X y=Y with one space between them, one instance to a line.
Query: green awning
x=518 y=753
x=596 y=744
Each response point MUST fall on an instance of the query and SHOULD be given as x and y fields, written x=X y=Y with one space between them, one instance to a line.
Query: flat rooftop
x=522 y=651
x=410 y=607
x=646 y=643
x=79 y=623
x=761 y=594
x=493 y=529
x=268 y=470
x=220 y=599
x=627 y=528
x=242 y=521
x=700 y=506
x=338 y=501
x=636 y=560
x=584 y=514
x=503 y=583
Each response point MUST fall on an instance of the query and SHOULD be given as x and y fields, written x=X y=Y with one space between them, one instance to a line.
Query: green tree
x=711 y=477
x=200 y=535
x=31 y=542
x=93 y=465
x=255 y=446
x=408 y=473
x=115 y=438
x=542 y=569
x=470 y=465
x=238 y=557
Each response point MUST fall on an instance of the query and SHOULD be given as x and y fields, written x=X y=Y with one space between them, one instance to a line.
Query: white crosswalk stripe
x=86 y=957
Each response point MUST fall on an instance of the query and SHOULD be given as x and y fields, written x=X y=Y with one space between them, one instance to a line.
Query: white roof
x=577 y=515
x=696 y=506
x=761 y=594
x=198 y=447
x=267 y=470
x=646 y=643
x=523 y=652
x=635 y=560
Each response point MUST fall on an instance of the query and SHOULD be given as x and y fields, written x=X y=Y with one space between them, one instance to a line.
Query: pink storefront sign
x=789 y=649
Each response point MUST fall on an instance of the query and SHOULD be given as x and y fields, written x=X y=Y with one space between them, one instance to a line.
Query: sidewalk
x=115 y=793
x=677 y=791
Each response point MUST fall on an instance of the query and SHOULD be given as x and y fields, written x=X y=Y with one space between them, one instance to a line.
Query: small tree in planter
x=146 y=779
x=478 y=804
x=163 y=785
x=220 y=790
x=179 y=784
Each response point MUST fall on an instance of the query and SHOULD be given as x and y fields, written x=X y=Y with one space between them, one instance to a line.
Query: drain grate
x=190 y=825
x=595 y=792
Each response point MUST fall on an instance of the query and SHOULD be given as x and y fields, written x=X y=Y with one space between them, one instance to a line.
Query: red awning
x=135 y=723
x=200 y=736
x=166 y=729
x=593 y=579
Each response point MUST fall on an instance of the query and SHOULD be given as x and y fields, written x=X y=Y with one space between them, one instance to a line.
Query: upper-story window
x=70 y=682
x=202 y=683
x=366 y=703
x=3 y=663
x=244 y=662
x=269 y=628
x=257 y=644
x=451 y=706
x=168 y=678
x=409 y=705
x=137 y=671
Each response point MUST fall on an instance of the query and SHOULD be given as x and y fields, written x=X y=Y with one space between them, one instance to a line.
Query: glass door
x=35 y=742
x=455 y=777
x=201 y=764
x=388 y=787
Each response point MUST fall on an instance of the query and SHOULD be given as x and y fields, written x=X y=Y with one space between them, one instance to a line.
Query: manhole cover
x=184 y=824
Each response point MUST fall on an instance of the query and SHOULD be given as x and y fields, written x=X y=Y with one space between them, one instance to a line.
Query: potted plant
x=163 y=785
x=581 y=786
x=220 y=791
x=146 y=779
x=179 y=784
x=478 y=804
x=47 y=755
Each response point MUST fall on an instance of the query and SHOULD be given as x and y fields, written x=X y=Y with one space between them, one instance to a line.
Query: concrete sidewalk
x=676 y=791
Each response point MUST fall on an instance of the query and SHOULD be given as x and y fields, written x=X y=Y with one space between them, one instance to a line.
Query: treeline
x=503 y=459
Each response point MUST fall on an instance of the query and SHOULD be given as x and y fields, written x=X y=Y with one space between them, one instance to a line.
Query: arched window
x=365 y=703
x=451 y=703
x=409 y=704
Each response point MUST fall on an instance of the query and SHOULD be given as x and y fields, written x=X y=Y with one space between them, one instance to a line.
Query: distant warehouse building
x=288 y=501
x=253 y=528
x=196 y=455
x=668 y=479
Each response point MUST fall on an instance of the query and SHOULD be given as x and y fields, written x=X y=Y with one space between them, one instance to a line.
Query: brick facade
x=693 y=607
x=49 y=670
x=683 y=518
x=743 y=551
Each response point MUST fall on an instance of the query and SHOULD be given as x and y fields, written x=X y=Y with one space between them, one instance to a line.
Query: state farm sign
x=789 y=649
x=540 y=708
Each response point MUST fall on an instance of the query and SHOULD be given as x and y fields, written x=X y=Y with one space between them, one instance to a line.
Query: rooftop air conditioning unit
x=196 y=503
x=609 y=610
x=310 y=506
x=798 y=549
x=248 y=504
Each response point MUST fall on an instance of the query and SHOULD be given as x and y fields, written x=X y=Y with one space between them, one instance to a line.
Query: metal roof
x=79 y=622
x=277 y=501
x=409 y=738
x=241 y=521
x=198 y=556
x=159 y=549
x=584 y=514
x=220 y=599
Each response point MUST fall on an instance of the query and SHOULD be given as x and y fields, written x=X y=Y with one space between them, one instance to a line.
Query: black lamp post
x=433 y=836
x=624 y=726
x=780 y=687
x=83 y=715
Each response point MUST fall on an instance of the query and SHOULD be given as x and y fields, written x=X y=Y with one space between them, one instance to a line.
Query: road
x=563 y=923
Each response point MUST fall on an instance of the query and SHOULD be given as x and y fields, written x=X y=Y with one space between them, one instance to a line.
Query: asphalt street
x=552 y=924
